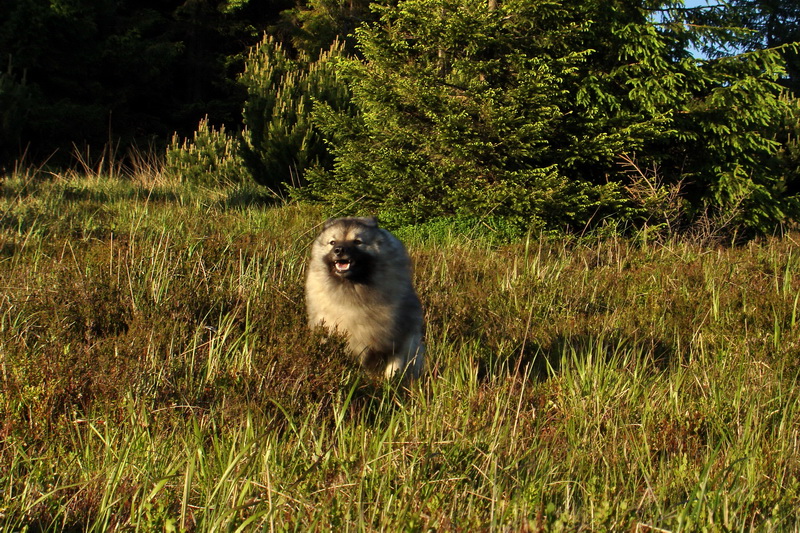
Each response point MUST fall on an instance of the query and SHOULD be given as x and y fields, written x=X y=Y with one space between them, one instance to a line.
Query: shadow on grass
x=539 y=362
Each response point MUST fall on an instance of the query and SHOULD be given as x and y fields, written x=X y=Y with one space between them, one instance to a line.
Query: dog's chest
x=361 y=314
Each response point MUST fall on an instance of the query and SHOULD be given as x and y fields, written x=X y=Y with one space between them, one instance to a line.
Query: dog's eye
x=332 y=243
x=357 y=241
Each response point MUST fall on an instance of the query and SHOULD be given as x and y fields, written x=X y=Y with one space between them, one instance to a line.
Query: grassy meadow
x=156 y=374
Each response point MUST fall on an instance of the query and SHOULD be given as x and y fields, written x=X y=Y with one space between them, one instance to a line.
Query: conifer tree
x=280 y=141
x=523 y=109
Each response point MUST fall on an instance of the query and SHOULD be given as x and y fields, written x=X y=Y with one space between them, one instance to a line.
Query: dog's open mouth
x=342 y=265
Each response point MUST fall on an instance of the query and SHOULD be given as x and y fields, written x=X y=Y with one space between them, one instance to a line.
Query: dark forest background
x=90 y=72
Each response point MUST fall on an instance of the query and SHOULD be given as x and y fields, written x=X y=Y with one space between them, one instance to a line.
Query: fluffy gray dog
x=359 y=284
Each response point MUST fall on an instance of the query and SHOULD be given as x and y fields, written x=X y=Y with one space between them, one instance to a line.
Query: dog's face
x=350 y=247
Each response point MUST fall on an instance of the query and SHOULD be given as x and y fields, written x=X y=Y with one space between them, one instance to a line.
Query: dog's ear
x=371 y=222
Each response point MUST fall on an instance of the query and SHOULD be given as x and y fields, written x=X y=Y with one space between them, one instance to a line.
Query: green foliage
x=523 y=111
x=490 y=230
x=211 y=157
x=320 y=23
x=456 y=107
x=788 y=136
x=728 y=145
x=280 y=140
x=751 y=25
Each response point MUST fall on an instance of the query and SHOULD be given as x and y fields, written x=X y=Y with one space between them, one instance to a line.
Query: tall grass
x=157 y=375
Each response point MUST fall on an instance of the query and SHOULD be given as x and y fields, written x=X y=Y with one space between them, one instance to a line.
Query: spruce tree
x=523 y=109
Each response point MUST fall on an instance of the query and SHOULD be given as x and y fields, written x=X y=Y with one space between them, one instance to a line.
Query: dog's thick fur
x=359 y=283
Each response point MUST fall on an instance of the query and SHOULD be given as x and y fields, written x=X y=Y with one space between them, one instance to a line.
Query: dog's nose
x=337 y=250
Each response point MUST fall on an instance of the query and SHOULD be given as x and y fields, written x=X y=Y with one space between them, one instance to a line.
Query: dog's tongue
x=342 y=266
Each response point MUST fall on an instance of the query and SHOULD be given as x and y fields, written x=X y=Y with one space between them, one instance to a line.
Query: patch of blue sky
x=695 y=51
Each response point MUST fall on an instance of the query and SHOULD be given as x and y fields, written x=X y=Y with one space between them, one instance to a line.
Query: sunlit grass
x=157 y=374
